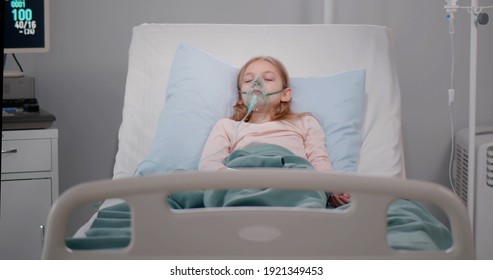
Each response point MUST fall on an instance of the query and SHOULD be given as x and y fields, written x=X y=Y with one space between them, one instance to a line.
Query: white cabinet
x=29 y=188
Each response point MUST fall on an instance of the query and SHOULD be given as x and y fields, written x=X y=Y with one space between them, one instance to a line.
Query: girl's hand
x=337 y=200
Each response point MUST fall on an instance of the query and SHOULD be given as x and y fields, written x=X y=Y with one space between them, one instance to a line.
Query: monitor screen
x=26 y=26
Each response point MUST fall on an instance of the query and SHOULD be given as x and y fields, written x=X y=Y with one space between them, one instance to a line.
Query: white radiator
x=483 y=200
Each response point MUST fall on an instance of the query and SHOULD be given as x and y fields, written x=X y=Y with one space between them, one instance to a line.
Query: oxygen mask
x=257 y=97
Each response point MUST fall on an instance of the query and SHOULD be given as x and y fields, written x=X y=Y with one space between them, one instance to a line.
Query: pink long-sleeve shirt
x=303 y=137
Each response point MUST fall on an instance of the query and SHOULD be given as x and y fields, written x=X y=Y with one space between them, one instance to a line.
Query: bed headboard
x=306 y=50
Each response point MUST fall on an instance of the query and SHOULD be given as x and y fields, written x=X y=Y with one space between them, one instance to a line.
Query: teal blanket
x=410 y=225
x=255 y=156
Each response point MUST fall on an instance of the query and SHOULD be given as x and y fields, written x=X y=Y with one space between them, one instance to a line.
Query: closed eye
x=269 y=76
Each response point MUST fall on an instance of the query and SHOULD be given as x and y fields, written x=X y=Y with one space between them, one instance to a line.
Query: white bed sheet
x=306 y=50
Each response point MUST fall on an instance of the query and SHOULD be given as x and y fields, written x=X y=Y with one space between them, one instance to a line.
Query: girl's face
x=271 y=78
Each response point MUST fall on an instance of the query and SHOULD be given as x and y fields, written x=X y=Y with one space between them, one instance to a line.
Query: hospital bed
x=182 y=76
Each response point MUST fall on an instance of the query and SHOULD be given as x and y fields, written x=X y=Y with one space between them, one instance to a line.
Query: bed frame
x=260 y=233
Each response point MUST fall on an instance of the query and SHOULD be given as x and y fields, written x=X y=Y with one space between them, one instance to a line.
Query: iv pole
x=329 y=11
x=473 y=61
x=451 y=8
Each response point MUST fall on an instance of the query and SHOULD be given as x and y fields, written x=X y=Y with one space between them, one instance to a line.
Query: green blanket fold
x=265 y=156
x=111 y=229
x=410 y=225
x=255 y=156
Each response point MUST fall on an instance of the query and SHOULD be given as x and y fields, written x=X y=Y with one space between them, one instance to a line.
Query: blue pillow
x=337 y=102
x=202 y=89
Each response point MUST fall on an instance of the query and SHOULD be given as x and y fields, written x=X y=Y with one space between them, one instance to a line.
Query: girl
x=263 y=115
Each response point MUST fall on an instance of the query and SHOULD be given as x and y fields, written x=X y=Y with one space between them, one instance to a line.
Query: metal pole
x=471 y=193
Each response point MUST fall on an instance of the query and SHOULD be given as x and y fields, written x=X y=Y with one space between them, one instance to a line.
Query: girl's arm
x=316 y=152
x=216 y=149
x=318 y=156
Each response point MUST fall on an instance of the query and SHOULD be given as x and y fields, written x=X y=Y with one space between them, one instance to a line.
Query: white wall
x=423 y=59
x=81 y=80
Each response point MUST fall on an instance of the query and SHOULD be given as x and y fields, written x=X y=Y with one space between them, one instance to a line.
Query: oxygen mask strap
x=275 y=92
x=266 y=94
x=258 y=85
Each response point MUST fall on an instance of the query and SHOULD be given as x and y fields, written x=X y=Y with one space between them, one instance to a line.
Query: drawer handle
x=13 y=151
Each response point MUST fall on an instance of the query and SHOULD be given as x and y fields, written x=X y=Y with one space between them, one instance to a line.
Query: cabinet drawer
x=26 y=155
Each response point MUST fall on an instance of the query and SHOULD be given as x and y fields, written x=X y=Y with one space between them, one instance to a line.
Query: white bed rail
x=159 y=232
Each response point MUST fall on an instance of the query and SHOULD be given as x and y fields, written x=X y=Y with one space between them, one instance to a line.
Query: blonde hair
x=284 y=112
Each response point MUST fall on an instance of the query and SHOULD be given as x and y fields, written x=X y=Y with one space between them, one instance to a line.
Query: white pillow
x=202 y=89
